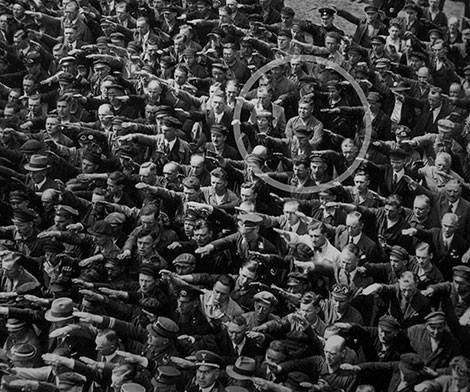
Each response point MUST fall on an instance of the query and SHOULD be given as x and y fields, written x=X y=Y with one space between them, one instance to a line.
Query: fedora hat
x=36 y=163
x=243 y=369
x=61 y=310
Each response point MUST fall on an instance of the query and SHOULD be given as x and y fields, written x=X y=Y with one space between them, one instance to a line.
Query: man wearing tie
x=352 y=233
x=37 y=174
x=448 y=245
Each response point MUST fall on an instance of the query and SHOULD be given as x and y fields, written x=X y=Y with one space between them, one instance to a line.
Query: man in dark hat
x=433 y=342
x=367 y=28
x=208 y=372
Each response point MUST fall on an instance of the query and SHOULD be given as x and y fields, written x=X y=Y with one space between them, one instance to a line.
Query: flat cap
x=382 y=63
x=287 y=11
x=218 y=128
x=13 y=325
x=163 y=327
x=388 y=321
x=22 y=352
x=437 y=317
x=166 y=375
x=250 y=220
x=65 y=211
x=266 y=297
x=148 y=269
x=24 y=215
x=399 y=252
x=370 y=9
x=116 y=218
x=185 y=259
x=132 y=387
x=31 y=146
x=101 y=227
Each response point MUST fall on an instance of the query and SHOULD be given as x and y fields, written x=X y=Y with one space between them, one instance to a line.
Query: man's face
x=228 y=55
x=202 y=236
x=386 y=334
x=34 y=106
x=449 y=226
x=236 y=333
x=420 y=209
x=147 y=221
x=462 y=286
x=327 y=20
x=146 y=283
x=305 y=111
x=348 y=261
x=220 y=293
x=217 y=139
x=61 y=222
x=290 y=212
x=442 y=164
x=219 y=185
x=71 y=12
x=262 y=310
x=371 y=16
x=317 y=237
x=197 y=167
x=148 y=176
x=333 y=354
x=38 y=176
x=52 y=125
x=283 y=42
x=361 y=183
x=423 y=258
x=144 y=246
x=248 y=233
x=180 y=77
x=331 y=44
x=206 y=376
x=70 y=35
x=142 y=27
x=245 y=277
x=190 y=194
x=407 y=289
x=391 y=212
x=453 y=192
x=397 y=264
x=104 y=346
x=301 y=171
x=354 y=226
x=247 y=194
x=317 y=169
x=394 y=32
x=62 y=109
x=308 y=311
x=88 y=167
x=459 y=380
x=436 y=330
x=218 y=104
x=274 y=356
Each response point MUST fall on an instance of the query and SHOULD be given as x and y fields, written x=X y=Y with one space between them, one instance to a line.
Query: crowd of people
x=172 y=220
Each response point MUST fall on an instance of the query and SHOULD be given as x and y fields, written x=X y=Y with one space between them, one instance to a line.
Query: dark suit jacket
x=383 y=177
x=420 y=340
x=440 y=206
x=426 y=123
x=444 y=258
x=369 y=250
x=49 y=184
x=417 y=308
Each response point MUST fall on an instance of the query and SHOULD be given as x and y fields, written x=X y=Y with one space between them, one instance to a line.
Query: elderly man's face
x=407 y=289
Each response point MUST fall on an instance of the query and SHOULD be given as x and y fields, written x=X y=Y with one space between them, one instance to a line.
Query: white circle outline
x=367 y=113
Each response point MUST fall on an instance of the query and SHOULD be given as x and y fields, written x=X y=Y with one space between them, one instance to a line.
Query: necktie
x=348 y=278
x=317 y=249
x=395 y=179
x=451 y=208
x=166 y=148
x=351 y=240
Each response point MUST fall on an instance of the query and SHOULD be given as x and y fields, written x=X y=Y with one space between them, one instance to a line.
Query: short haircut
x=226 y=280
